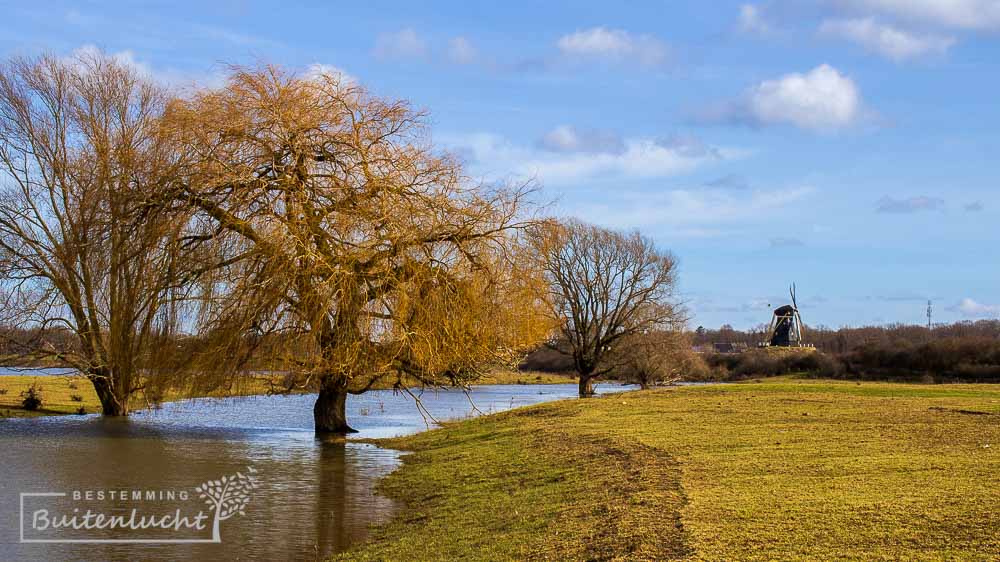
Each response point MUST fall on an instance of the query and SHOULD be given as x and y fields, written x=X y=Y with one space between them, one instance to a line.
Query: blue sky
x=847 y=145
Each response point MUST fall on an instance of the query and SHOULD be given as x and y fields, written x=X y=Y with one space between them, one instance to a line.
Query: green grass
x=56 y=392
x=772 y=470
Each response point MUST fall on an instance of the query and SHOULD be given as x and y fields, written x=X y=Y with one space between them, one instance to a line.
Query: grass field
x=58 y=391
x=774 y=470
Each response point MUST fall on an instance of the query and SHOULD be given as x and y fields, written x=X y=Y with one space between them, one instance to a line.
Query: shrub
x=969 y=359
x=766 y=363
x=76 y=398
x=31 y=399
x=3 y=391
x=696 y=368
x=81 y=411
x=547 y=360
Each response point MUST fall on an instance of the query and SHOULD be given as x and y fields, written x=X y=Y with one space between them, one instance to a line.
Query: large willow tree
x=351 y=245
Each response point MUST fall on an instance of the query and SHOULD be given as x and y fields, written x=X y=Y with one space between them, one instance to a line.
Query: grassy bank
x=775 y=470
x=57 y=395
x=63 y=395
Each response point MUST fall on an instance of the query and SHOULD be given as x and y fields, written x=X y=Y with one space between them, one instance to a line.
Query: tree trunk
x=586 y=386
x=330 y=410
x=110 y=404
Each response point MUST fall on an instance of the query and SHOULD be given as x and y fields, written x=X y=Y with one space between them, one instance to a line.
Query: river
x=313 y=497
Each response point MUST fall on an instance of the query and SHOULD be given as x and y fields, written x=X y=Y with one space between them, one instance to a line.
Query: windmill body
x=785 y=329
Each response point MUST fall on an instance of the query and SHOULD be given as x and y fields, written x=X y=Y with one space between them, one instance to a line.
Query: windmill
x=786 y=325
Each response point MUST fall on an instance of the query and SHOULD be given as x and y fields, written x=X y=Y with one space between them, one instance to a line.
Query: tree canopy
x=338 y=226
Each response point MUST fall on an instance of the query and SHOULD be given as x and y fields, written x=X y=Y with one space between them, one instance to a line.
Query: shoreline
x=58 y=391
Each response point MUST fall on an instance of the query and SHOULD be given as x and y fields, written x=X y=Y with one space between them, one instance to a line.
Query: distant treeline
x=958 y=359
x=960 y=352
x=842 y=340
x=16 y=342
x=24 y=347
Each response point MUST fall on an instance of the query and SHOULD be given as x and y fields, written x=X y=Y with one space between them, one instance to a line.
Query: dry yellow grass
x=779 y=470
x=58 y=393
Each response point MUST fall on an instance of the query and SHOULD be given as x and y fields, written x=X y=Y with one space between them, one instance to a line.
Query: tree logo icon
x=228 y=496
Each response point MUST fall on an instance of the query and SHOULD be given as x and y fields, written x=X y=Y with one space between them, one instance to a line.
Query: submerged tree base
x=111 y=405
x=330 y=411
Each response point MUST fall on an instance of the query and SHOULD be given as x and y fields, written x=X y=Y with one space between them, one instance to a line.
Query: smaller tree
x=88 y=269
x=605 y=287
x=658 y=357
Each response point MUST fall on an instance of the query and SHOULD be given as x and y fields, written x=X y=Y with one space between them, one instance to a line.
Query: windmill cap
x=784 y=310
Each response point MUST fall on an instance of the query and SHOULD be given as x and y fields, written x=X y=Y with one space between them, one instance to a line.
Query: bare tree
x=81 y=251
x=605 y=286
x=658 y=357
x=346 y=236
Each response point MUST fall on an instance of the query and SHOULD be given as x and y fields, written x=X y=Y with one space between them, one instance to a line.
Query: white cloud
x=236 y=38
x=617 y=45
x=909 y=205
x=963 y=14
x=403 y=44
x=697 y=211
x=320 y=70
x=693 y=213
x=566 y=138
x=462 y=51
x=820 y=100
x=752 y=21
x=886 y=40
x=491 y=155
x=689 y=145
x=167 y=77
x=125 y=58
x=973 y=309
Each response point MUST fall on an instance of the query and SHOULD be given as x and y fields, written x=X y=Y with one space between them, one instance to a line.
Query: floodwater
x=35 y=371
x=313 y=496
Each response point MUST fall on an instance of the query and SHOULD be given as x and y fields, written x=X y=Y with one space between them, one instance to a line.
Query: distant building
x=734 y=347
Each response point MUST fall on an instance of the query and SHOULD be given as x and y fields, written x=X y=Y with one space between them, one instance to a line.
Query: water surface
x=35 y=371
x=315 y=496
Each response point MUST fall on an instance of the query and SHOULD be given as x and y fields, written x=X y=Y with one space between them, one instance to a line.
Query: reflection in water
x=315 y=495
